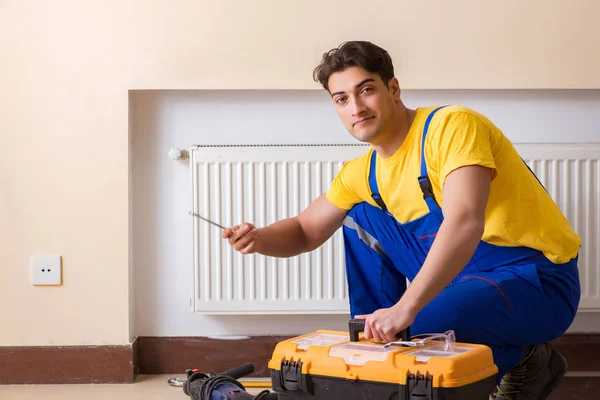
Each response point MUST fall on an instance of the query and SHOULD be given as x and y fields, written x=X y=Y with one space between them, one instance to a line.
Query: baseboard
x=173 y=355
x=68 y=364
x=580 y=350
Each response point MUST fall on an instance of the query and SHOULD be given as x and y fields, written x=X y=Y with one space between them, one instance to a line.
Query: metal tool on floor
x=175 y=382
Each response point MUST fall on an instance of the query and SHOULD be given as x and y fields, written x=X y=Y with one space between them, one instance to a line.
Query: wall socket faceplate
x=46 y=270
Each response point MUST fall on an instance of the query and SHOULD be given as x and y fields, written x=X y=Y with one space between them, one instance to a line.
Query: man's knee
x=356 y=226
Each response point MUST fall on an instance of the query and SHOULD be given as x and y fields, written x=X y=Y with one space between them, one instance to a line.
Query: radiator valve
x=178 y=154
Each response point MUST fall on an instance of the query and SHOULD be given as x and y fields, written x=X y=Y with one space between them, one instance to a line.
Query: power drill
x=223 y=386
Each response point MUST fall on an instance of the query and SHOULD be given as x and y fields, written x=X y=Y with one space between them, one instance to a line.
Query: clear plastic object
x=448 y=337
x=318 y=339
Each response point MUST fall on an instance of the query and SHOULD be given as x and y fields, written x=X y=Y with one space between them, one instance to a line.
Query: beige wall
x=66 y=68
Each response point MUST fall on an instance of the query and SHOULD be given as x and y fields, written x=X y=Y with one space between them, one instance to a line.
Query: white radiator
x=263 y=184
x=571 y=175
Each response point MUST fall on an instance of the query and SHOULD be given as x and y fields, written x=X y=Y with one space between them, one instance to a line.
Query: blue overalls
x=506 y=297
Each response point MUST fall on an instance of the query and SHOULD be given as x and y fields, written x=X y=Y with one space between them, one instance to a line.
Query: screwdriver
x=207 y=220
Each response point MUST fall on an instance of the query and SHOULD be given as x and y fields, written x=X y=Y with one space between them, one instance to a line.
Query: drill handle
x=240 y=371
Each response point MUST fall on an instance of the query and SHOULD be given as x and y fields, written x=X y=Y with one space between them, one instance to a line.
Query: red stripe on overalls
x=493 y=283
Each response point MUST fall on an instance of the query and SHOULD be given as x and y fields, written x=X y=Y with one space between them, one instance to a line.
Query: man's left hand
x=385 y=323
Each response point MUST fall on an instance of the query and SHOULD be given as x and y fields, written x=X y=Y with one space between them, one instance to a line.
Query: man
x=441 y=198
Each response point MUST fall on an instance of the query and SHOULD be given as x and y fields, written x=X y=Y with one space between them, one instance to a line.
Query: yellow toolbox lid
x=332 y=354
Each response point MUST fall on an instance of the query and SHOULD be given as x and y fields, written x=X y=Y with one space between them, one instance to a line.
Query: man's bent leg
x=479 y=311
x=373 y=281
x=542 y=368
x=514 y=318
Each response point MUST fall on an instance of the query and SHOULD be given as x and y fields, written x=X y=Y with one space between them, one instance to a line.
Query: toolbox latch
x=419 y=387
x=291 y=377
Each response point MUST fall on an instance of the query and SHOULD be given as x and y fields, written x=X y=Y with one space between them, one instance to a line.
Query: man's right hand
x=289 y=237
x=242 y=237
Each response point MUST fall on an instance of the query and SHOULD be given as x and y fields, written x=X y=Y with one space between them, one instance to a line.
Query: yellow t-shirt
x=519 y=212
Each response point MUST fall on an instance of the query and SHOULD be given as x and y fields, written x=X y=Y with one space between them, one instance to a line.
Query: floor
x=147 y=387
x=155 y=387
x=577 y=388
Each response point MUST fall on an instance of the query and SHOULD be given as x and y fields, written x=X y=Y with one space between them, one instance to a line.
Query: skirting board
x=68 y=364
x=173 y=355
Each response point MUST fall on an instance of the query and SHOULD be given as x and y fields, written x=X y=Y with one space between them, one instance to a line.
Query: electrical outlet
x=46 y=270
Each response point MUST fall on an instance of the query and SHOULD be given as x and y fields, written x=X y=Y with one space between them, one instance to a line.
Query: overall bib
x=505 y=297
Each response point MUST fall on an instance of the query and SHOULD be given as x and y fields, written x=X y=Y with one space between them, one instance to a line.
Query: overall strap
x=424 y=181
x=373 y=182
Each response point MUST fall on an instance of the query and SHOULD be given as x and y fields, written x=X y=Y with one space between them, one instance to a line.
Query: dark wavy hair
x=361 y=54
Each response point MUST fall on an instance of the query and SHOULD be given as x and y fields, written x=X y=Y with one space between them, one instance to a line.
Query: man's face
x=365 y=105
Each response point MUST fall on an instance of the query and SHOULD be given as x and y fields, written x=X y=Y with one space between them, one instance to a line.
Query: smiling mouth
x=361 y=121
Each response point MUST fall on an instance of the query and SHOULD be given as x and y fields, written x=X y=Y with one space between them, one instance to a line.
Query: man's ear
x=394 y=88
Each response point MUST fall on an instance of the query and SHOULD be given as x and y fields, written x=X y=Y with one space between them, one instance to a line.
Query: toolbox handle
x=358 y=325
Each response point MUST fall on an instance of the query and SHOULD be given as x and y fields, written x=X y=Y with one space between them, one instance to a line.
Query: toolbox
x=343 y=365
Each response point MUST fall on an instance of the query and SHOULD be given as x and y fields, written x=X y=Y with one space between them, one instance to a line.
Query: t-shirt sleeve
x=340 y=192
x=460 y=139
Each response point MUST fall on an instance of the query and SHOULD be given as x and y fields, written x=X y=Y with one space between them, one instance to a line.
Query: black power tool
x=223 y=386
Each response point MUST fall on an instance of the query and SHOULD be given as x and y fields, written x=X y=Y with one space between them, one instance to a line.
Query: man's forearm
x=452 y=249
x=283 y=238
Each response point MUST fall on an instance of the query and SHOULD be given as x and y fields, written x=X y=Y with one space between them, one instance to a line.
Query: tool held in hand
x=358 y=325
x=224 y=386
x=207 y=220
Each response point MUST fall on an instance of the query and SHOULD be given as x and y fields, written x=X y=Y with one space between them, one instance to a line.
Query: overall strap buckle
x=373 y=183
x=424 y=181
x=379 y=201
x=426 y=187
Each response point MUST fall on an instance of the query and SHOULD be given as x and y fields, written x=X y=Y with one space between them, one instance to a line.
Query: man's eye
x=340 y=100
x=367 y=89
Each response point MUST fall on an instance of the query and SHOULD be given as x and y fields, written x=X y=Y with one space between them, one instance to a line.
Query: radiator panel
x=264 y=184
